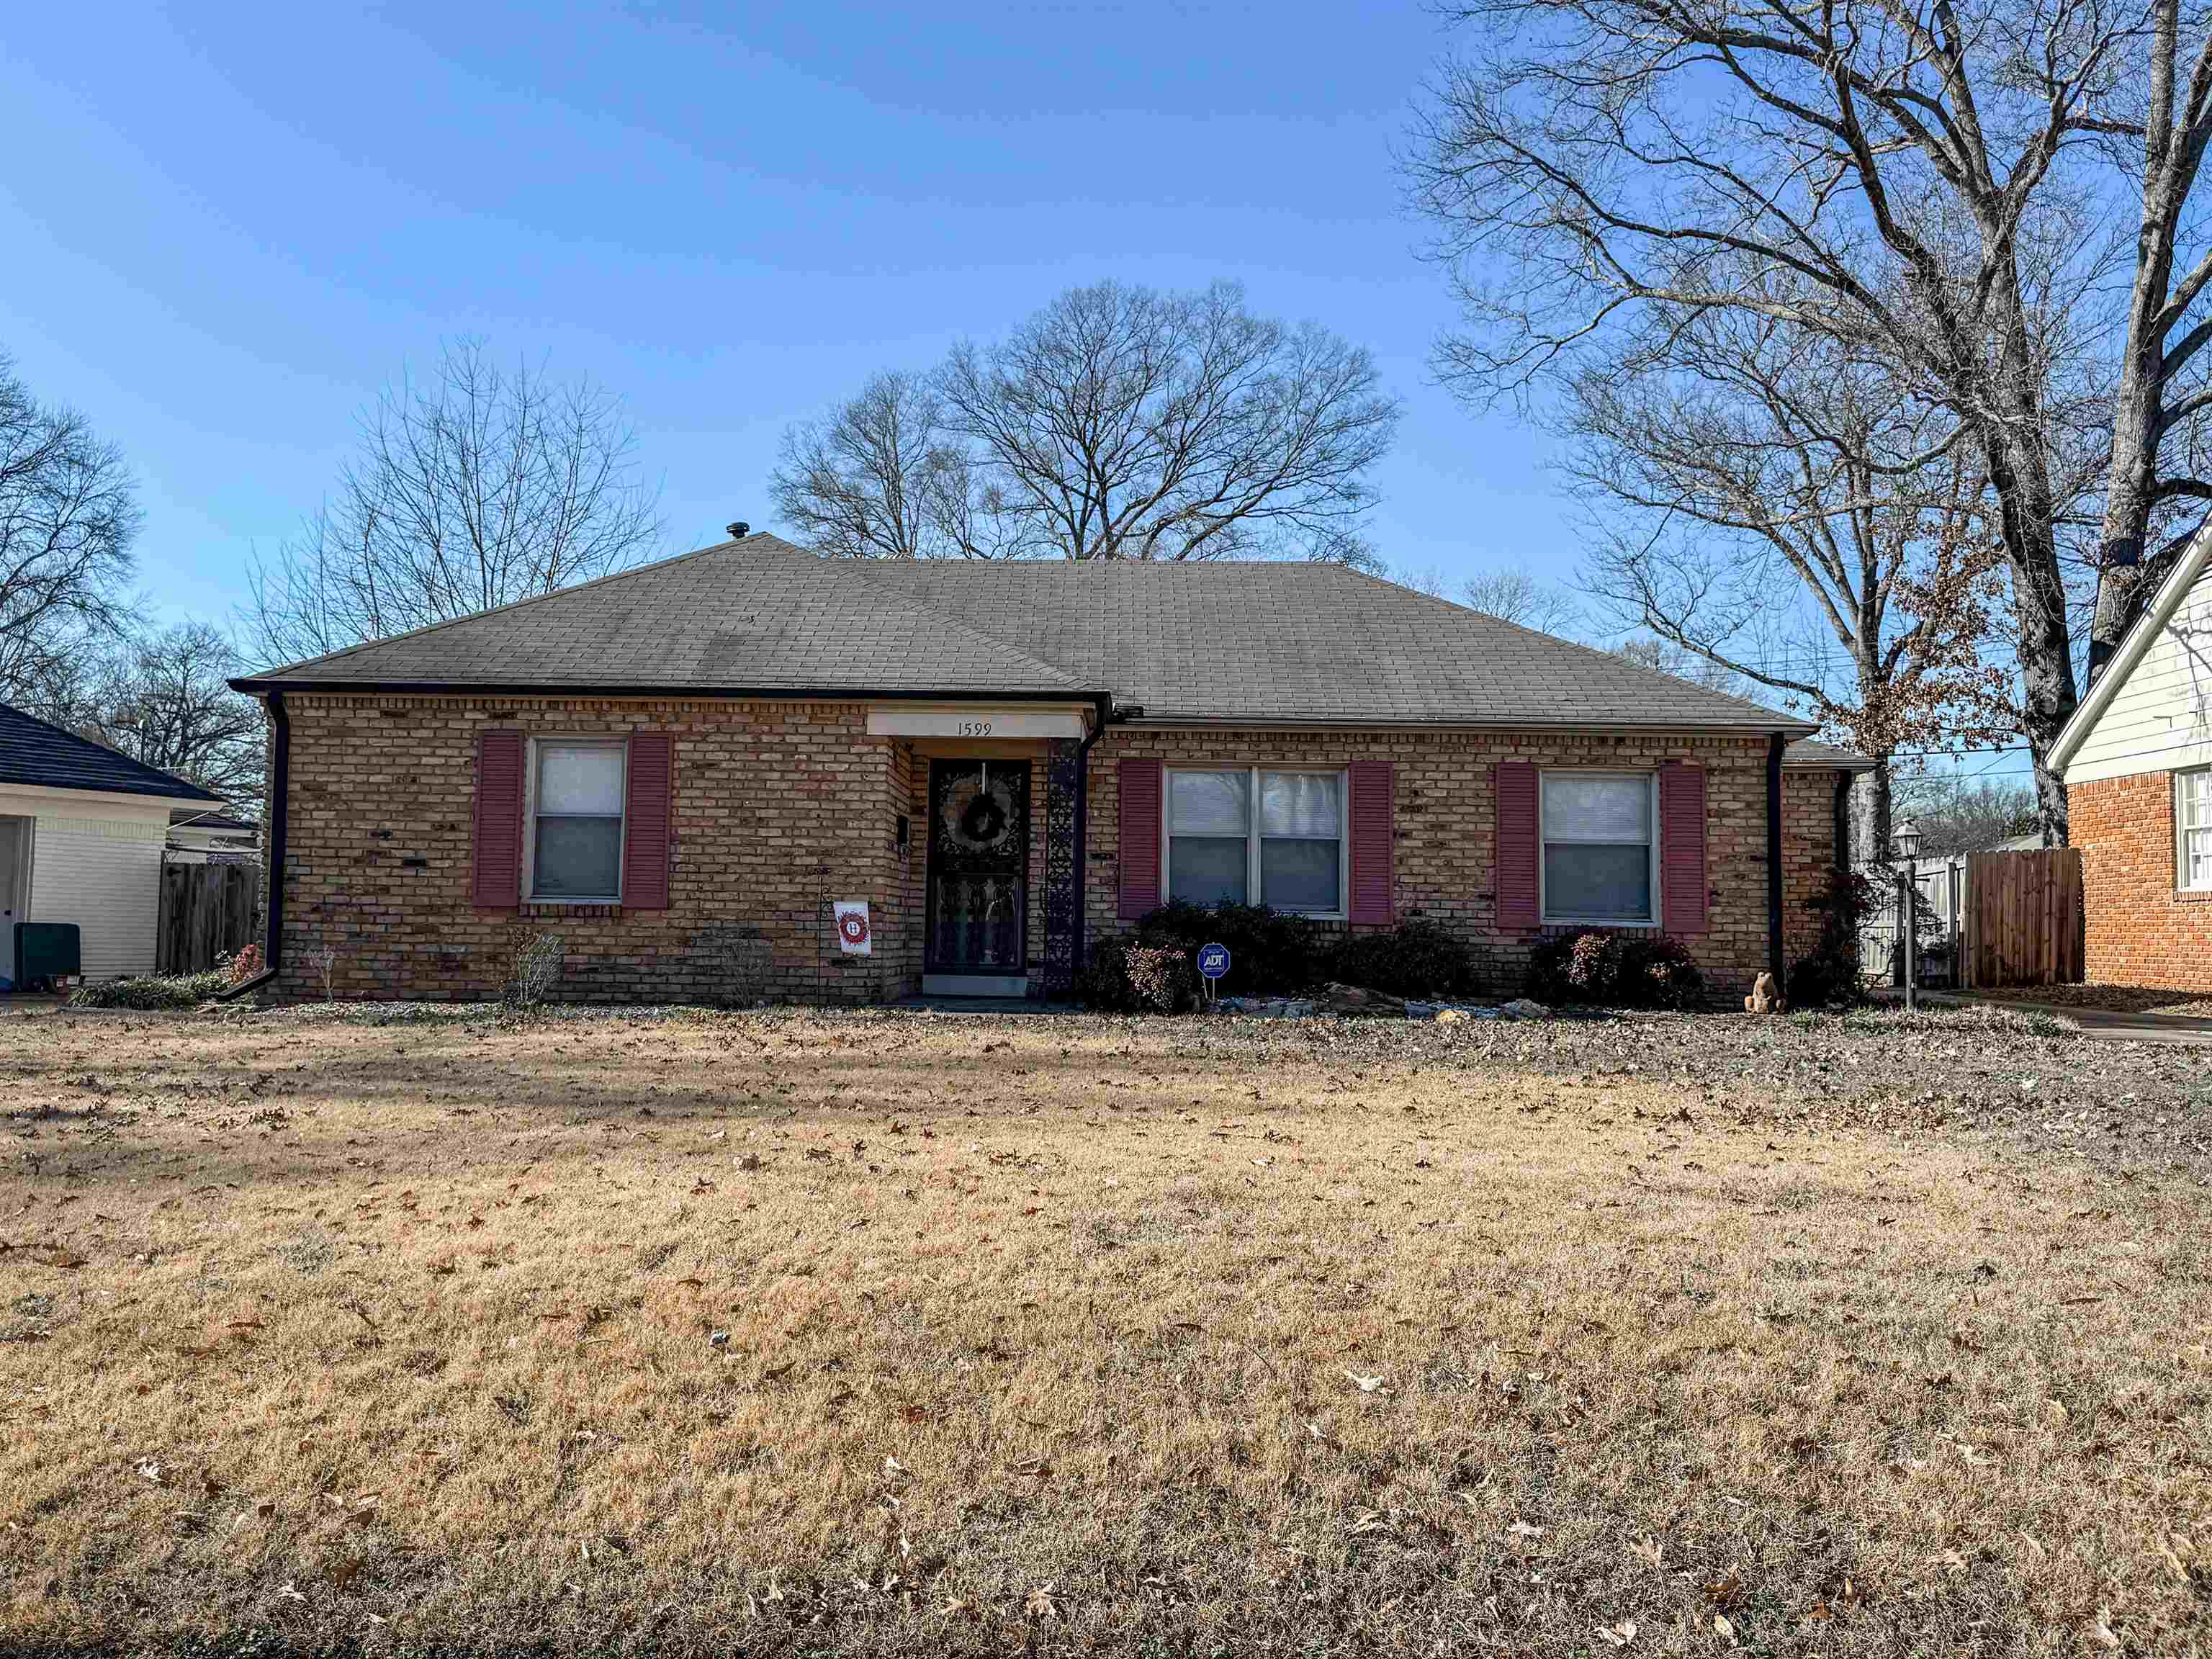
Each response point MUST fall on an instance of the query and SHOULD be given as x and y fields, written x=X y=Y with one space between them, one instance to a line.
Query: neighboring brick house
x=681 y=770
x=2137 y=761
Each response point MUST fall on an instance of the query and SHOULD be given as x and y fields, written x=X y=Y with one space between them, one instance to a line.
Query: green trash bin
x=45 y=951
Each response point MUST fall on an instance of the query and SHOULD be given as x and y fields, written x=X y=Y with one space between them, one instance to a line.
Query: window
x=2192 y=830
x=576 y=822
x=1600 y=852
x=1250 y=836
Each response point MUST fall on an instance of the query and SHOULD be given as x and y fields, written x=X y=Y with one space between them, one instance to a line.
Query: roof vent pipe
x=739 y=530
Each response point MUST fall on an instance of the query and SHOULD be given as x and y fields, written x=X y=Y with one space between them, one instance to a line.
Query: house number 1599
x=974 y=728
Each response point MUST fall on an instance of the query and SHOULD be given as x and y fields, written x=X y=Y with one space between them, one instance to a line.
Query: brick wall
x=777 y=806
x=1445 y=866
x=781 y=804
x=2140 y=930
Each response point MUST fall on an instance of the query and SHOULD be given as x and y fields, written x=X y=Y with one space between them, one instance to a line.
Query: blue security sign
x=1213 y=960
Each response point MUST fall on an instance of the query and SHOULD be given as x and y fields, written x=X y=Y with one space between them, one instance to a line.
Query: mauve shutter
x=1683 y=888
x=1140 y=837
x=498 y=875
x=1514 y=782
x=646 y=813
x=1373 y=807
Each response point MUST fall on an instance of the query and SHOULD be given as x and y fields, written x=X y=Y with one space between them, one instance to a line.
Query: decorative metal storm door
x=979 y=854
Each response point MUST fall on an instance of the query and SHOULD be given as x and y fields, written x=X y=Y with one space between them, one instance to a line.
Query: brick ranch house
x=2137 y=761
x=680 y=769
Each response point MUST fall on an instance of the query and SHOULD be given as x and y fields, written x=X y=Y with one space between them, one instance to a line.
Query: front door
x=979 y=851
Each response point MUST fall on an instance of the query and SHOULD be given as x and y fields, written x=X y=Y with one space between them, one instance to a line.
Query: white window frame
x=1253 y=894
x=1650 y=780
x=2181 y=829
x=554 y=740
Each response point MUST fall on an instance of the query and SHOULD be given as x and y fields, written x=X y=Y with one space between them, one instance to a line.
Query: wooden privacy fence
x=208 y=911
x=2022 y=918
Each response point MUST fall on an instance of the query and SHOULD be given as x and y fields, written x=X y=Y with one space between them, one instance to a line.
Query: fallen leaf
x=1522 y=1529
x=1366 y=1384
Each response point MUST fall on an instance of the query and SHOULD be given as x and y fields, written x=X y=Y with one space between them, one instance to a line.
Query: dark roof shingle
x=1277 y=642
x=44 y=757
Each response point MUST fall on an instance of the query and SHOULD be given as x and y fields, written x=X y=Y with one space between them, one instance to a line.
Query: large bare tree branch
x=484 y=487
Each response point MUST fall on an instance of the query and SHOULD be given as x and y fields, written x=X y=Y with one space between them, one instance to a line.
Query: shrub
x=1417 y=959
x=533 y=967
x=1126 y=976
x=243 y=966
x=1616 y=970
x=151 y=990
x=1271 y=952
x=1828 y=974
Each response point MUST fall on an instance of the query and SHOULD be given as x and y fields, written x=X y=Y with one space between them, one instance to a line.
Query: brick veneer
x=779 y=805
x=1446 y=866
x=2140 y=930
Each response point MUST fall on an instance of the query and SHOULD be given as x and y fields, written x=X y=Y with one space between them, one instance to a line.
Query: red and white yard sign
x=853 y=938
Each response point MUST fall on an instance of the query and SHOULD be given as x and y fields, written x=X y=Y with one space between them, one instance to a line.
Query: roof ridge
x=1065 y=677
x=1612 y=659
x=527 y=599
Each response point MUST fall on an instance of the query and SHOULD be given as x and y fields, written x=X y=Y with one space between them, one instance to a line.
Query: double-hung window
x=2192 y=830
x=576 y=821
x=1252 y=837
x=1600 y=847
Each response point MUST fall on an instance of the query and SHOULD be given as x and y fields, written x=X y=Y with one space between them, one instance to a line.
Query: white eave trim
x=60 y=795
x=981 y=719
x=2133 y=649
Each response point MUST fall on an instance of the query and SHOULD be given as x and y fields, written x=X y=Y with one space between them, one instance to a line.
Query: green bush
x=1271 y=952
x=1828 y=974
x=152 y=991
x=1126 y=976
x=1616 y=970
x=1417 y=959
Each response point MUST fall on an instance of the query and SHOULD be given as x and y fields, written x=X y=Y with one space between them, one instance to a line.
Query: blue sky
x=244 y=222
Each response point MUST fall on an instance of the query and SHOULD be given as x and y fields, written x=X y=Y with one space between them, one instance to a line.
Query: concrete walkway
x=2185 y=1030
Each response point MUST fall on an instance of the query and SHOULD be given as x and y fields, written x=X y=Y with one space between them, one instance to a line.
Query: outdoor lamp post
x=1907 y=837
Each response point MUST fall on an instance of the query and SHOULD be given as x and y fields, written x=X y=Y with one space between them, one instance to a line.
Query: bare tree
x=1684 y=664
x=486 y=486
x=880 y=477
x=1884 y=174
x=1119 y=422
x=67 y=515
x=164 y=699
x=1747 y=477
x=1515 y=594
x=2159 y=466
x=1957 y=814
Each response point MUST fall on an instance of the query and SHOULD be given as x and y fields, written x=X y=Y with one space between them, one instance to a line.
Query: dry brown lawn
x=895 y=1333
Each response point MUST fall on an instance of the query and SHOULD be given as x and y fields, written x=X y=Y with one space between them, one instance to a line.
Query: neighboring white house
x=81 y=834
x=211 y=835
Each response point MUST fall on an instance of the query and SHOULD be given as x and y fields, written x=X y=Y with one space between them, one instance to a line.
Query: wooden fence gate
x=2022 y=918
x=208 y=911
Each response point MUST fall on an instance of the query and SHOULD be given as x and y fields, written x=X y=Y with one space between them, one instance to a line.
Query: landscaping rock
x=1523 y=1008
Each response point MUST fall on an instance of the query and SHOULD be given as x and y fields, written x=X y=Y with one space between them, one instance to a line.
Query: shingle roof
x=44 y=756
x=1309 y=643
x=1806 y=752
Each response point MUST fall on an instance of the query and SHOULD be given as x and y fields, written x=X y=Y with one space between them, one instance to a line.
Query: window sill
x=1565 y=922
x=2192 y=896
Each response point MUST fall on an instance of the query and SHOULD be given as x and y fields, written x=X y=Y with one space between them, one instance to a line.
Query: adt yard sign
x=1213 y=960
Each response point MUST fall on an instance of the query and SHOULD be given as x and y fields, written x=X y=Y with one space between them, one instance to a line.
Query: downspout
x=1844 y=821
x=280 y=792
x=1775 y=746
